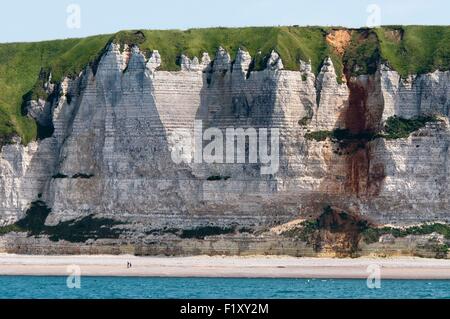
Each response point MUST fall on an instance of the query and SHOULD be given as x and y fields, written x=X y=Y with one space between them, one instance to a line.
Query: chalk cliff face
x=116 y=125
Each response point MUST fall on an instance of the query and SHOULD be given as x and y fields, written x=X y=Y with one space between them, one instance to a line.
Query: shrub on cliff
x=218 y=178
x=372 y=234
x=397 y=127
x=202 y=232
x=318 y=135
x=363 y=53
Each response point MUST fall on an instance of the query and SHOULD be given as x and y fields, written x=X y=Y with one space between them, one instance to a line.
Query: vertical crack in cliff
x=362 y=117
x=358 y=158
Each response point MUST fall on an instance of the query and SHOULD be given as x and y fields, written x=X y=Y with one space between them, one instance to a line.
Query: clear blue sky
x=22 y=20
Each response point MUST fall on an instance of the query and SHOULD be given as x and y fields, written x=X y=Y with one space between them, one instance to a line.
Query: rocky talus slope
x=102 y=179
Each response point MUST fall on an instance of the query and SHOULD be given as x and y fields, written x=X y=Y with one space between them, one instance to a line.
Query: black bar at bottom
x=227 y=308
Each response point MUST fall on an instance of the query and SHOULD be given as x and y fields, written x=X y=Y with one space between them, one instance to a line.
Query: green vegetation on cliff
x=21 y=63
x=415 y=49
x=217 y=178
x=318 y=136
x=362 y=54
x=292 y=43
x=410 y=49
x=397 y=127
x=20 y=67
x=372 y=234
x=353 y=228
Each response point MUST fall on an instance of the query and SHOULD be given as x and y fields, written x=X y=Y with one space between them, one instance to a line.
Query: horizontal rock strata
x=115 y=128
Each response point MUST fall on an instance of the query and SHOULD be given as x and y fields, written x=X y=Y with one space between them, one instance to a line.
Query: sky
x=22 y=20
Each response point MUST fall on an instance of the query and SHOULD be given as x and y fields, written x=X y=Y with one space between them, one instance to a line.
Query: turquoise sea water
x=191 y=288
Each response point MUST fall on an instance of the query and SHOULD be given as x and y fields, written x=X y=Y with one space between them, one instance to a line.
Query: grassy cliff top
x=20 y=65
x=415 y=49
x=407 y=49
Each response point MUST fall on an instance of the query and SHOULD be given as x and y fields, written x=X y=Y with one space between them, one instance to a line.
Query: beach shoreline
x=223 y=266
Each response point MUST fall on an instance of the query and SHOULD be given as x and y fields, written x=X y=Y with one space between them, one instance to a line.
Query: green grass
x=415 y=49
x=20 y=66
x=6 y=126
x=292 y=43
x=421 y=49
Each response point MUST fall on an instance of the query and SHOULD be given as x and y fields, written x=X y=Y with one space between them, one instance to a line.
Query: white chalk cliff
x=110 y=152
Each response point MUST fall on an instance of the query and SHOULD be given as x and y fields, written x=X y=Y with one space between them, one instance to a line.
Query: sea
x=86 y=287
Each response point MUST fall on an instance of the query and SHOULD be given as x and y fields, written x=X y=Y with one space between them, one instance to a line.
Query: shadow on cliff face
x=233 y=98
x=78 y=230
x=122 y=141
x=229 y=95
